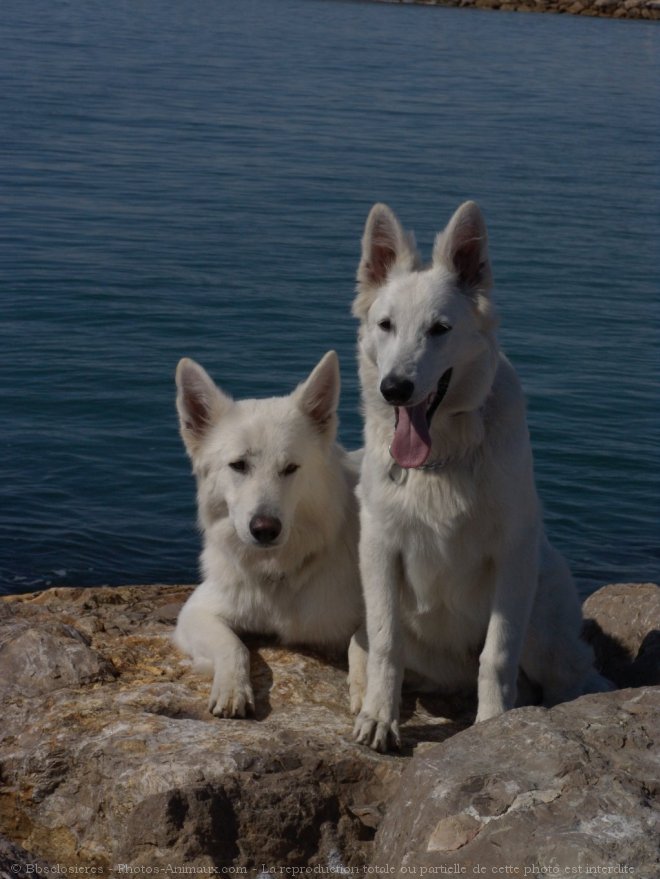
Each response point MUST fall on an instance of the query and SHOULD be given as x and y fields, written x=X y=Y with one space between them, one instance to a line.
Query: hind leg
x=554 y=655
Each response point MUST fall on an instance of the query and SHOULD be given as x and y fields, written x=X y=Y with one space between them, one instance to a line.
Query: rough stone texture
x=14 y=860
x=643 y=9
x=622 y=622
x=109 y=756
x=535 y=792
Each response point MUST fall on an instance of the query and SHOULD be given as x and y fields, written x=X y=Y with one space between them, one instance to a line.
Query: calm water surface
x=192 y=179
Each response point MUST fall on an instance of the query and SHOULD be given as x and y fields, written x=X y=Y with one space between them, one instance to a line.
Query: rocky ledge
x=109 y=761
x=644 y=9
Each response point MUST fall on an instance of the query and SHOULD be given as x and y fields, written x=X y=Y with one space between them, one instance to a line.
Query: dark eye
x=238 y=466
x=438 y=329
x=289 y=469
x=385 y=324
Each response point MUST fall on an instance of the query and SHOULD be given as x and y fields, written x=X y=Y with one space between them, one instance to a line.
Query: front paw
x=378 y=730
x=231 y=698
x=357 y=687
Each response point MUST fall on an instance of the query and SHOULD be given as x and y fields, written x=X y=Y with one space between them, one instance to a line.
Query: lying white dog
x=277 y=506
x=460 y=581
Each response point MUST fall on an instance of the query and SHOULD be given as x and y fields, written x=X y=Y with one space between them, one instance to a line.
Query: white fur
x=460 y=582
x=304 y=587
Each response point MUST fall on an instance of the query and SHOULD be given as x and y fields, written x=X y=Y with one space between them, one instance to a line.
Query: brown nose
x=265 y=529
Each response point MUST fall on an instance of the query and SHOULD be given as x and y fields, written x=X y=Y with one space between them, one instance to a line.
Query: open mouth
x=411 y=445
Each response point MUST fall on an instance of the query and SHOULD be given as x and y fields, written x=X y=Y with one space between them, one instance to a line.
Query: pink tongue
x=411 y=445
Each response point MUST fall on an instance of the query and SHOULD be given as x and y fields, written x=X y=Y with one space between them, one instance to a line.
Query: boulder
x=570 y=791
x=622 y=622
x=108 y=755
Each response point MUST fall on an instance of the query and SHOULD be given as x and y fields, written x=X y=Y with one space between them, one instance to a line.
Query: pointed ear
x=199 y=403
x=463 y=248
x=318 y=397
x=384 y=245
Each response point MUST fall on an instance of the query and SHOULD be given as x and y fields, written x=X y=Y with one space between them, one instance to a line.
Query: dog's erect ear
x=199 y=402
x=463 y=248
x=384 y=245
x=318 y=397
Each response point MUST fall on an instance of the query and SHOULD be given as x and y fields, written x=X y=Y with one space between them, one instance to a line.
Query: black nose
x=265 y=529
x=396 y=390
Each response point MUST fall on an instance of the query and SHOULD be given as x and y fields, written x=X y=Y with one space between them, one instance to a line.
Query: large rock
x=622 y=622
x=541 y=793
x=109 y=756
x=562 y=792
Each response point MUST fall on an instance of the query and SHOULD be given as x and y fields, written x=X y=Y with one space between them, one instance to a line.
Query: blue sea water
x=193 y=178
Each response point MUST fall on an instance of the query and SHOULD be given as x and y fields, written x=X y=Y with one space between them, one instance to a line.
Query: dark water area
x=193 y=179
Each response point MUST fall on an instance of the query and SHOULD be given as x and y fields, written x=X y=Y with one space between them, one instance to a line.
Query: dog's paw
x=357 y=687
x=381 y=735
x=231 y=699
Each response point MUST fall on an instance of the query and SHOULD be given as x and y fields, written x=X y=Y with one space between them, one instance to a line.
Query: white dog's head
x=429 y=332
x=253 y=458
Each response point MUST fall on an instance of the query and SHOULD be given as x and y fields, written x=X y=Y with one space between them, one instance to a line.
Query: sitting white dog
x=461 y=584
x=277 y=506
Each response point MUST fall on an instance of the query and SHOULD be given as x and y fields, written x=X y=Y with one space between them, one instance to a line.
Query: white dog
x=460 y=582
x=277 y=506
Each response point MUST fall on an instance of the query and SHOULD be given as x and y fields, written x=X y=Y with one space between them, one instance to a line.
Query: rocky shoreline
x=111 y=764
x=648 y=10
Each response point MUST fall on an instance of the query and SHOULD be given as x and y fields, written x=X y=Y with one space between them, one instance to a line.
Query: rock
x=622 y=622
x=534 y=792
x=53 y=656
x=608 y=8
x=14 y=860
x=109 y=756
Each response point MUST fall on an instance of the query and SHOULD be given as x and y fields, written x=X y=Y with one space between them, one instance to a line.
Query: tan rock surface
x=566 y=792
x=108 y=754
x=622 y=622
